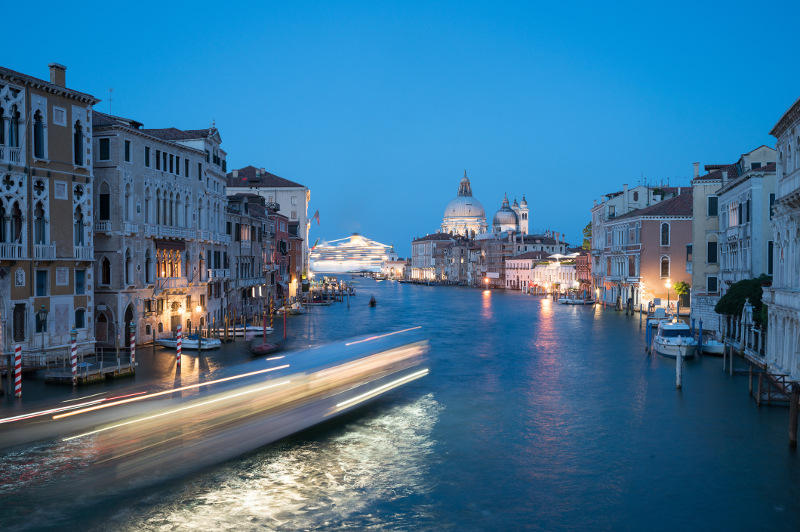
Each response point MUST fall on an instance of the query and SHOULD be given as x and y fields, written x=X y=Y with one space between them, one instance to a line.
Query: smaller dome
x=515 y=205
x=505 y=218
x=523 y=203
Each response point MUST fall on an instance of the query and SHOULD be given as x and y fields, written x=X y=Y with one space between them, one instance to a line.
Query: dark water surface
x=534 y=416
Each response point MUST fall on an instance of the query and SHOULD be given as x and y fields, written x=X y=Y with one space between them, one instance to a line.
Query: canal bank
x=534 y=416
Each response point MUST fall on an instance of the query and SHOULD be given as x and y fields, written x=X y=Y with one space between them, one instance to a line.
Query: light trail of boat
x=383 y=335
x=32 y=415
x=174 y=411
x=380 y=389
x=85 y=397
x=171 y=391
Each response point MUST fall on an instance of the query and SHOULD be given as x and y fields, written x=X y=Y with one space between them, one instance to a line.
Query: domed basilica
x=464 y=215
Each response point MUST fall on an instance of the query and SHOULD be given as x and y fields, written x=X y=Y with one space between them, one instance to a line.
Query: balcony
x=219 y=273
x=8 y=154
x=245 y=246
x=84 y=253
x=128 y=227
x=10 y=251
x=172 y=284
x=44 y=251
x=102 y=227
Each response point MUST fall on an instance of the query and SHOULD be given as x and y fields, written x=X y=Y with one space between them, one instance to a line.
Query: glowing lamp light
x=199 y=309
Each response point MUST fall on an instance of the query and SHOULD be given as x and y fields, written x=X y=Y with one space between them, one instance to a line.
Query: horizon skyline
x=378 y=109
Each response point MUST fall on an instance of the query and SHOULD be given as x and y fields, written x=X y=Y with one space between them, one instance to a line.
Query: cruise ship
x=354 y=254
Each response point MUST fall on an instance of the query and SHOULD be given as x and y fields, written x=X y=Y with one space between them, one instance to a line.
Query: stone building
x=291 y=200
x=423 y=252
x=783 y=298
x=705 y=248
x=46 y=254
x=247 y=223
x=160 y=242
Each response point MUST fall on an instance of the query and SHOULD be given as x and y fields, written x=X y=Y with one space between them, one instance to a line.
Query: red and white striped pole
x=18 y=371
x=74 y=355
x=133 y=344
x=178 y=353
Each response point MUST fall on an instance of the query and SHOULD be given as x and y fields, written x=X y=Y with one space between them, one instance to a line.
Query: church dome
x=523 y=203
x=505 y=218
x=464 y=206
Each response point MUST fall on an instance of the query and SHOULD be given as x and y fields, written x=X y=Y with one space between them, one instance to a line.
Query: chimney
x=624 y=198
x=724 y=176
x=58 y=74
x=594 y=202
x=263 y=171
x=236 y=173
x=696 y=169
x=679 y=191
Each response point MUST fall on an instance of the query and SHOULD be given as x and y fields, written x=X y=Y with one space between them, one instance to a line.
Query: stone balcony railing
x=128 y=227
x=84 y=253
x=44 y=251
x=220 y=273
x=102 y=227
x=171 y=283
x=10 y=250
x=10 y=155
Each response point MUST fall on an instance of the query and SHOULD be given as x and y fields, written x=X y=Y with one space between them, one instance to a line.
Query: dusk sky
x=379 y=107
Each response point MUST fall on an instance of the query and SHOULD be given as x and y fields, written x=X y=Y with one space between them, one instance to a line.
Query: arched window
x=200 y=214
x=128 y=202
x=147 y=205
x=160 y=327
x=80 y=318
x=665 y=234
x=158 y=207
x=78 y=143
x=636 y=196
x=78 y=226
x=128 y=268
x=105 y=202
x=38 y=136
x=16 y=223
x=39 y=233
x=148 y=266
x=13 y=128
x=105 y=271
x=148 y=330
x=664 y=267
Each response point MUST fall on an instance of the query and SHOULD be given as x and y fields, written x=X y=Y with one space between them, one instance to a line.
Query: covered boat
x=673 y=338
x=189 y=342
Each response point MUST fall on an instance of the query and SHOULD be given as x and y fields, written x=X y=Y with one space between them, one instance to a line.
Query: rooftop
x=250 y=176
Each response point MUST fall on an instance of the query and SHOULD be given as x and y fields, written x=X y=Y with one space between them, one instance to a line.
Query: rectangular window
x=199 y=171
x=127 y=151
x=104 y=153
x=740 y=218
x=80 y=282
x=747 y=211
x=713 y=206
x=189 y=303
x=612 y=211
x=158 y=159
x=164 y=160
x=753 y=166
x=688 y=252
x=203 y=300
x=186 y=167
x=712 y=252
x=177 y=165
x=160 y=305
x=771 y=203
x=238 y=233
x=41 y=283
x=171 y=164
x=147 y=156
x=770 y=253
x=147 y=306
x=711 y=284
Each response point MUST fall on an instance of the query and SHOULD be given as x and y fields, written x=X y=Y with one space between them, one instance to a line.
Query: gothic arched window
x=39 y=233
x=78 y=143
x=13 y=128
x=38 y=136
x=79 y=232
x=105 y=202
x=105 y=271
x=665 y=234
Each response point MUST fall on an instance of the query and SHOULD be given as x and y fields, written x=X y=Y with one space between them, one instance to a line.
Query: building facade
x=46 y=250
x=783 y=297
x=247 y=259
x=160 y=241
x=290 y=199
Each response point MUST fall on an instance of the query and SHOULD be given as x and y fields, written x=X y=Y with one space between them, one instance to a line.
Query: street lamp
x=668 y=284
x=42 y=315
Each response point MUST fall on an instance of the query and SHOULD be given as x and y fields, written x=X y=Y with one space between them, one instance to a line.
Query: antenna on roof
x=110 y=99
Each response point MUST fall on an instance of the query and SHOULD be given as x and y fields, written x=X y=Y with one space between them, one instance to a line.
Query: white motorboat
x=189 y=342
x=296 y=308
x=712 y=347
x=658 y=317
x=576 y=301
x=673 y=338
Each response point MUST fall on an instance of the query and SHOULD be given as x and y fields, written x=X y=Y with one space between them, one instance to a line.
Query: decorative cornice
x=790 y=117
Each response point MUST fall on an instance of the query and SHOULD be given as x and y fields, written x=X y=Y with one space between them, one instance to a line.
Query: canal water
x=534 y=416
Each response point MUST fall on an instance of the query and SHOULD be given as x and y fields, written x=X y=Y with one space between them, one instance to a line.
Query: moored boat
x=673 y=338
x=712 y=347
x=189 y=342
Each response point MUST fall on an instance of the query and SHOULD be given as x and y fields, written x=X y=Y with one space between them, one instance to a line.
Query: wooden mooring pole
x=793 y=415
x=679 y=369
x=750 y=378
x=758 y=392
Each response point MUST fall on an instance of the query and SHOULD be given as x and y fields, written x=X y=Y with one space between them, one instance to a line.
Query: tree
x=587 y=237
x=732 y=303
x=682 y=288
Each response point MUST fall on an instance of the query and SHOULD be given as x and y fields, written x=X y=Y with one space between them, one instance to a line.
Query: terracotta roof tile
x=678 y=206
x=247 y=178
x=172 y=133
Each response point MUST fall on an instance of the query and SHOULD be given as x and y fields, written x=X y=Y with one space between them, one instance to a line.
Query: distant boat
x=249 y=330
x=265 y=348
x=712 y=347
x=373 y=302
x=189 y=342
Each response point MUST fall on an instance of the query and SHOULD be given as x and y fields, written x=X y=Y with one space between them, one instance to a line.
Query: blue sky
x=379 y=107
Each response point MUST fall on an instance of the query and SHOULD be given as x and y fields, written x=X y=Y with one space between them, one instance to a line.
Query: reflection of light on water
x=486 y=304
x=313 y=484
x=37 y=465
